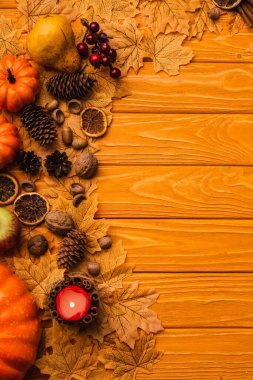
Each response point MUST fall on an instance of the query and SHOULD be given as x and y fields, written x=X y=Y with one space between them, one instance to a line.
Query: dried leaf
x=73 y=356
x=32 y=9
x=113 y=267
x=200 y=20
x=126 y=40
x=127 y=362
x=9 y=38
x=103 y=9
x=165 y=15
x=38 y=277
x=167 y=53
x=235 y=23
x=128 y=311
x=122 y=9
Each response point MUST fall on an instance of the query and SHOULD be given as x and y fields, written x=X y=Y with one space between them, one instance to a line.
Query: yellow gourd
x=51 y=43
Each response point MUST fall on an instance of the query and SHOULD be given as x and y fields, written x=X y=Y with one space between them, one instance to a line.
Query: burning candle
x=73 y=303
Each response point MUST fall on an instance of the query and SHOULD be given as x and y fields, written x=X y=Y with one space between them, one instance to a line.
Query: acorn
x=105 y=242
x=94 y=268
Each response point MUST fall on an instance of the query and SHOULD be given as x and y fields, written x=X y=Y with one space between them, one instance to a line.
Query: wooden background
x=176 y=183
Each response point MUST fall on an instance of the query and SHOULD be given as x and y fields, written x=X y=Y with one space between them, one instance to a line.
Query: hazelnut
x=105 y=242
x=37 y=245
x=94 y=268
x=214 y=13
x=86 y=165
x=67 y=136
x=76 y=188
x=28 y=186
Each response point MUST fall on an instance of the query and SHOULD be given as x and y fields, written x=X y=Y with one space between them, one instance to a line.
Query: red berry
x=115 y=72
x=94 y=27
x=95 y=60
x=103 y=37
x=106 y=61
x=96 y=49
x=112 y=54
x=105 y=48
x=90 y=39
x=83 y=49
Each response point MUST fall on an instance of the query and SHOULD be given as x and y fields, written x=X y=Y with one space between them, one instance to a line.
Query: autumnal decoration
x=29 y=162
x=52 y=105
x=59 y=222
x=84 y=309
x=31 y=208
x=243 y=7
x=76 y=188
x=105 y=242
x=72 y=250
x=68 y=86
x=86 y=165
x=20 y=323
x=93 y=268
x=9 y=142
x=78 y=199
x=19 y=82
x=75 y=106
x=58 y=116
x=9 y=189
x=94 y=122
x=214 y=13
x=52 y=43
x=58 y=164
x=102 y=53
x=9 y=230
x=79 y=143
x=39 y=124
x=67 y=135
x=37 y=245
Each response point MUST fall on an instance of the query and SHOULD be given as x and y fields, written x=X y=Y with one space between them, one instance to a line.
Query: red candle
x=72 y=303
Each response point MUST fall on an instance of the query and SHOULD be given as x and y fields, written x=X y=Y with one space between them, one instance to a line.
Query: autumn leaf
x=73 y=356
x=127 y=311
x=103 y=9
x=165 y=15
x=167 y=52
x=127 y=362
x=126 y=40
x=9 y=38
x=31 y=10
x=235 y=23
x=122 y=9
x=113 y=267
x=200 y=21
x=38 y=276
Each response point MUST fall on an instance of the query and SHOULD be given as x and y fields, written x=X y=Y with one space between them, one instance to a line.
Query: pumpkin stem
x=11 y=77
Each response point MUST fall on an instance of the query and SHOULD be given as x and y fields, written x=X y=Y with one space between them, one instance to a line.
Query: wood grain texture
x=175 y=192
x=199 y=88
x=186 y=245
x=200 y=354
x=9 y=4
x=164 y=139
x=201 y=300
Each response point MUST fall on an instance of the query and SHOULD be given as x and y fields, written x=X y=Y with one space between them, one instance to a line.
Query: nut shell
x=59 y=222
x=75 y=106
x=52 y=105
x=58 y=116
x=105 y=242
x=67 y=136
x=37 y=245
x=28 y=186
x=76 y=188
x=94 y=268
x=79 y=143
x=86 y=165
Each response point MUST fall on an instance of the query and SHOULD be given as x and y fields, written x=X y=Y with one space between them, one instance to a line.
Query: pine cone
x=58 y=164
x=72 y=250
x=69 y=86
x=29 y=162
x=39 y=124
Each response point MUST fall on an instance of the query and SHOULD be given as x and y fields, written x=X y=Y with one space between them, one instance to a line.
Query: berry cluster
x=101 y=53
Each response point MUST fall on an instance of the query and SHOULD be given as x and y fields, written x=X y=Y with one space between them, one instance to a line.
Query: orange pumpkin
x=19 y=82
x=19 y=327
x=9 y=142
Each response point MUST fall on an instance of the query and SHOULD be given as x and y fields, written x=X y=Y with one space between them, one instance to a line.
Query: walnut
x=59 y=222
x=86 y=165
x=37 y=245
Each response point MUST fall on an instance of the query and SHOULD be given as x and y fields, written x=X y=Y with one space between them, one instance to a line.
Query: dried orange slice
x=94 y=122
x=31 y=208
x=9 y=189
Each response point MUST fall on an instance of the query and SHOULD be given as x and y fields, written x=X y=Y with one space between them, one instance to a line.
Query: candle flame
x=72 y=304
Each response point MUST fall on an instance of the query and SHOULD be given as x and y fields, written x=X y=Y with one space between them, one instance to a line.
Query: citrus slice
x=31 y=208
x=227 y=4
x=9 y=189
x=94 y=122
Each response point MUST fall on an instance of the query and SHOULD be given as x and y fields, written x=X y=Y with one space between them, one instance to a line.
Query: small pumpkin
x=19 y=82
x=9 y=141
x=19 y=326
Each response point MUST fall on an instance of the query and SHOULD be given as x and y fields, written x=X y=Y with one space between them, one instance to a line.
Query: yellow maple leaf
x=73 y=355
x=31 y=10
x=200 y=21
x=235 y=23
x=127 y=310
x=127 y=362
x=9 y=38
x=127 y=41
x=169 y=15
x=167 y=52
x=38 y=276
x=122 y=9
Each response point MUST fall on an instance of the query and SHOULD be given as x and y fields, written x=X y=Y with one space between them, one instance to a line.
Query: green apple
x=9 y=230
